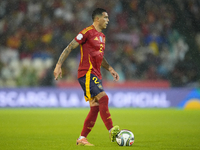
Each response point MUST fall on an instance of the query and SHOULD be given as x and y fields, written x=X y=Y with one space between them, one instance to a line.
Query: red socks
x=104 y=112
x=92 y=116
x=90 y=120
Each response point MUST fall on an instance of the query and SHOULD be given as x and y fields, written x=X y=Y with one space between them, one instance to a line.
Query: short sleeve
x=81 y=38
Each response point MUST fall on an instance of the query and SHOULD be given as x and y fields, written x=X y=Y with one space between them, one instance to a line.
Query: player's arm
x=110 y=69
x=63 y=56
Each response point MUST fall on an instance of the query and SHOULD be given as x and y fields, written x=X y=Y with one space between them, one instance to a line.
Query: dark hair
x=97 y=11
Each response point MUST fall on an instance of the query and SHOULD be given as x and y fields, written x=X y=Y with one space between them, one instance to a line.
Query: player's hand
x=114 y=74
x=57 y=72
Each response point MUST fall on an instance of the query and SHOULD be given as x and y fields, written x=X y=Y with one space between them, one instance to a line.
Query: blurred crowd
x=141 y=40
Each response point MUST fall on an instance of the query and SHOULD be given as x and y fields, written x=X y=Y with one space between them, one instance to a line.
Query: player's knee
x=104 y=100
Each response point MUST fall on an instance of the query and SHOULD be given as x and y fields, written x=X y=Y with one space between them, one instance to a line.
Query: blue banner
x=61 y=97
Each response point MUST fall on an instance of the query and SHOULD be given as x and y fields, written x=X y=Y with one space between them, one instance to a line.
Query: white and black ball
x=125 y=138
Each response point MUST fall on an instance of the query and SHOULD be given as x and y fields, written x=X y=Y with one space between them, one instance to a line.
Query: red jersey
x=92 y=45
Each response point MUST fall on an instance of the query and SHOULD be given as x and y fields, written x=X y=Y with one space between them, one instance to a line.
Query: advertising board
x=66 y=97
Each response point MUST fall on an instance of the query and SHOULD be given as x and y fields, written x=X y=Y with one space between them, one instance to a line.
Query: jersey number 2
x=101 y=47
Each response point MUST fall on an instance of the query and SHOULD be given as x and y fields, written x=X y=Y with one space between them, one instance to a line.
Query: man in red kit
x=92 y=45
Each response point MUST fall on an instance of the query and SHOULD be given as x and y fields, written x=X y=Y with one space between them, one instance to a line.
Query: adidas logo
x=96 y=39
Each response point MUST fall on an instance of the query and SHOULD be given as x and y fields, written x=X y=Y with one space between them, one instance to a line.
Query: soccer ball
x=125 y=138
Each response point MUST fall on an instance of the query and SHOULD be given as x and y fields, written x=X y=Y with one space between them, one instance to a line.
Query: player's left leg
x=105 y=115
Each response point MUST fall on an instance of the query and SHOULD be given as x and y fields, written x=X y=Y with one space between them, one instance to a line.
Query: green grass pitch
x=58 y=129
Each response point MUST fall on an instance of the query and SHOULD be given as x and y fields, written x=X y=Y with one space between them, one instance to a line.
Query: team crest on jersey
x=101 y=39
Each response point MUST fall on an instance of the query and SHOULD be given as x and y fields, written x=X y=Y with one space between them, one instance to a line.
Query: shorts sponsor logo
x=100 y=86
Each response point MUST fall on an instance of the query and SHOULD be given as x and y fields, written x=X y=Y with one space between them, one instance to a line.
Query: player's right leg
x=89 y=123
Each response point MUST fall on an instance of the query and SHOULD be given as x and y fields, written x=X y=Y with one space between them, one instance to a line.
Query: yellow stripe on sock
x=89 y=128
x=109 y=117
